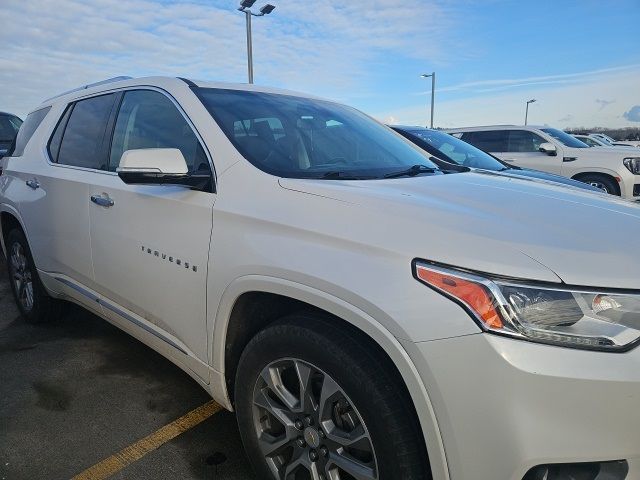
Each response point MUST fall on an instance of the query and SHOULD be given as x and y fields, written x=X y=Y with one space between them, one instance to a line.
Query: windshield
x=452 y=149
x=300 y=137
x=565 y=138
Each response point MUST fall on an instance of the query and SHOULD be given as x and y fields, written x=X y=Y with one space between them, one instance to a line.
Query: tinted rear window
x=27 y=129
x=82 y=142
x=489 y=141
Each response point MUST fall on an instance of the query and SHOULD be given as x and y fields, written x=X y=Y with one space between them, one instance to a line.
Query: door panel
x=150 y=243
x=58 y=213
x=150 y=253
x=523 y=151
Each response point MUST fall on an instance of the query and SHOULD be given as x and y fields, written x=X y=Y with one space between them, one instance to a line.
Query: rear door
x=150 y=243
x=494 y=142
x=56 y=200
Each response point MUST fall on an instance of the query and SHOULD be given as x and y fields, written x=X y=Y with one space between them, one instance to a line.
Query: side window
x=27 y=129
x=148 y=119
x=489 y=140
x=524 y=141
x=82 y=143
x=56 y=138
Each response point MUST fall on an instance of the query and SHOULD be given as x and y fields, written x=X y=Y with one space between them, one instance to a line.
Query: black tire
x=42 y=307
x=378 y=396
x=601 y=181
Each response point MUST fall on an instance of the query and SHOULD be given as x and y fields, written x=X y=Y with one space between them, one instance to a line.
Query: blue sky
x=579 y=59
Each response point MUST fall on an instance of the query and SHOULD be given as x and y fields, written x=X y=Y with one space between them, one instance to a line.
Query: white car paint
x=489 y=407
x=597 y=141
x=569 y=162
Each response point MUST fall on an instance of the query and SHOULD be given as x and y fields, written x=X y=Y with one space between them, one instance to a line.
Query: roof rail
x=90 y=85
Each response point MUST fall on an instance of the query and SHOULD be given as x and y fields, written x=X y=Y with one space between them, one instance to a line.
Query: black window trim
x=62 y=118
x=111 y=127
x=69 y=108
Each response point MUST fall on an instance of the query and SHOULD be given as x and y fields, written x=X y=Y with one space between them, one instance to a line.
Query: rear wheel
x=35 y=305
x=602 y=182
x=315 y=403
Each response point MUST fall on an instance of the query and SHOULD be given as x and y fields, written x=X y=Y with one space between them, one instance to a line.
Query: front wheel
x=602 y=182
x=313 y=402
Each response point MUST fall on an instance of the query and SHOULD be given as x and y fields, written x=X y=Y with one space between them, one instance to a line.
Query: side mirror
x=548 y=148
x=158 y=166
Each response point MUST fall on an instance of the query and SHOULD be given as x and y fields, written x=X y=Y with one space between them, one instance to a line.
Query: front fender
x=347 y=312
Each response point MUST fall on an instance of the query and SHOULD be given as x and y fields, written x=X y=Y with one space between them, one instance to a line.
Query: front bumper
x=504 y=406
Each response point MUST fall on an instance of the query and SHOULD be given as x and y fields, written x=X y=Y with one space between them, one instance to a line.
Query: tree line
x=624 y=133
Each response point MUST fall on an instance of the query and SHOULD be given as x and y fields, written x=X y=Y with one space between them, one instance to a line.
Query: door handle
x=33 y=183
x=102 y=201
x=510 y=160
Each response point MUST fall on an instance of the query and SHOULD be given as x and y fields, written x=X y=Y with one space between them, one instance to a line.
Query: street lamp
x=433 y=90
x=526 y=112
x=245 y=6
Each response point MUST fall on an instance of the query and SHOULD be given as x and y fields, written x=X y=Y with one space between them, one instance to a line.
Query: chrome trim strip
x=79 y=289
x=119 y=312
x=137 y=322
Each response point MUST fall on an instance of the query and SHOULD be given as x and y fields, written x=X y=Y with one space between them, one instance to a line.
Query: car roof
x=159 y=82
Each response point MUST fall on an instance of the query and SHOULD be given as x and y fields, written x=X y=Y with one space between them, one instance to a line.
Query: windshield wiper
x=412 y=171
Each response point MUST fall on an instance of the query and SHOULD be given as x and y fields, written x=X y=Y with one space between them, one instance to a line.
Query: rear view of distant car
x=9 y=126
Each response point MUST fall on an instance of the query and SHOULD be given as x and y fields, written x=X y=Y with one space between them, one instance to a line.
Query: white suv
x=367 y=315
x=614 y=169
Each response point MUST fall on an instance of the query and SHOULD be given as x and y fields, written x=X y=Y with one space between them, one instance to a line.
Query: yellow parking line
x=136 y=451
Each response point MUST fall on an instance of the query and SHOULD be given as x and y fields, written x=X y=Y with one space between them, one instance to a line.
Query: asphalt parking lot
x=78 y=391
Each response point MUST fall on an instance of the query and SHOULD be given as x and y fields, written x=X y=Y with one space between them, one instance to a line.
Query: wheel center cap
x=312 y=437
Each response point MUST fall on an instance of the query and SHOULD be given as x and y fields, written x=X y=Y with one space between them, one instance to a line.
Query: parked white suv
x=366 y=315
x=614 y=169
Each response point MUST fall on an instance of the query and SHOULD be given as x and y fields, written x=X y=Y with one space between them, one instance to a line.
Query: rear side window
x=489 y=141
x=524 y=141
x=82 y=143
x=148 y=119
x=27 y=129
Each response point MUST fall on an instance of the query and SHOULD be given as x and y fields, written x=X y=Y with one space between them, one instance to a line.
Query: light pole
x=433 y=90
x=245 y=7
x=526 y=112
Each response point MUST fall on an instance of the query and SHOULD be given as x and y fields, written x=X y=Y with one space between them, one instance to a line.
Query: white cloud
x=558 y=105
x=49 y=47
x=508 y=83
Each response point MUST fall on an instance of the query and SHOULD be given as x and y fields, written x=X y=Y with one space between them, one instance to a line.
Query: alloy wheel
x=599 y=185
x=21 y=276
x=307 y=426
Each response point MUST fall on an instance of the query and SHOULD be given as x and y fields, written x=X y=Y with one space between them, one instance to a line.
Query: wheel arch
x=251 y=303
x=612 y=176
x=9 y=218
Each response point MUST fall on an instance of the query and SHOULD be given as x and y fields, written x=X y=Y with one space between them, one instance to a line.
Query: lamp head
x=267 y=9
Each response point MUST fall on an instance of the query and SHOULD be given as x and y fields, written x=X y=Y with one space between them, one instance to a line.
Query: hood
x=604 y=153
x=495 y=224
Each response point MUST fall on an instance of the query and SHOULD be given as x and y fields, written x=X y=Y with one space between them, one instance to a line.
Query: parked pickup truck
x=366 y=314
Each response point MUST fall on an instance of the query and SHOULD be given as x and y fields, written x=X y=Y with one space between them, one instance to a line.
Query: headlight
x=632 y=164
x=580 y=318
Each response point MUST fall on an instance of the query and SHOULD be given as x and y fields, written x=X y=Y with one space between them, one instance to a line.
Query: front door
x=523 y=150
x=150 y=243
